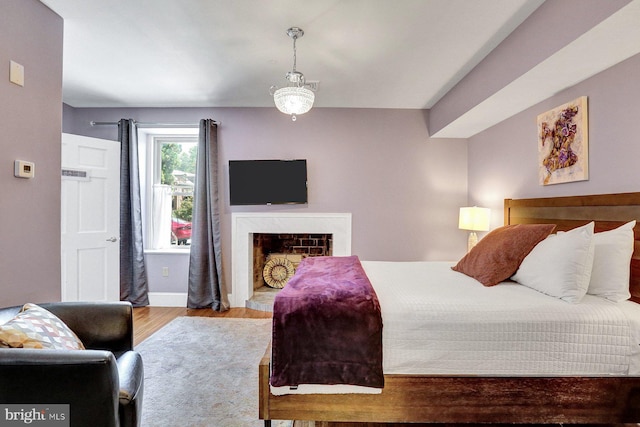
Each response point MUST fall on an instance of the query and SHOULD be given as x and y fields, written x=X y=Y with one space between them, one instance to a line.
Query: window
x=168 y=194
x=177 y=167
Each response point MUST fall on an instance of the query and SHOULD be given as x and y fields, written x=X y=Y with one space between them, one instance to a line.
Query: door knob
x=112 y=239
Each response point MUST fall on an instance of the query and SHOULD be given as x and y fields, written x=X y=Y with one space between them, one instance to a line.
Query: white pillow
x=560 y=265
x=611 y=263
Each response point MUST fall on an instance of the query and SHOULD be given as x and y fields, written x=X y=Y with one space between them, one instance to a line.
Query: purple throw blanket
x=327 y=326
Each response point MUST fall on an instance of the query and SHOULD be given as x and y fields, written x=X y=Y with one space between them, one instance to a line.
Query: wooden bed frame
x=499 y=399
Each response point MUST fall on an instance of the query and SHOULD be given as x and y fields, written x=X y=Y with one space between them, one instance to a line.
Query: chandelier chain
x=294 y=53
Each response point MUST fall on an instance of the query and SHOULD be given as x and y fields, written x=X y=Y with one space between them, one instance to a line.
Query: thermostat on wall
x=24 y=169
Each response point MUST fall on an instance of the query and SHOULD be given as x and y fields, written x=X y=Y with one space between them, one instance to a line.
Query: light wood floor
x=147 y=320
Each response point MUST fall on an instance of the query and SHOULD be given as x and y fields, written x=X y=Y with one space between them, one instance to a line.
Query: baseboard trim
x=173 y=299
x=168 y=299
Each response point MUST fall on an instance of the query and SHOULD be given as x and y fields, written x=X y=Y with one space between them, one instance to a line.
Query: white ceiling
x=227 y=53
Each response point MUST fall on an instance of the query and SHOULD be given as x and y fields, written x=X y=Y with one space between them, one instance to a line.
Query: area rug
x=203 y=372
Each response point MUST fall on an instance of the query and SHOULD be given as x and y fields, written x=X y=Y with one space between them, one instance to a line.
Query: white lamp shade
x=293 y=99
x=474 y=218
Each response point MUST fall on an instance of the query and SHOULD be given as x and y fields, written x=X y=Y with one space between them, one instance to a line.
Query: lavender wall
x=503 y=159
x=403 y=188
x=31 y=118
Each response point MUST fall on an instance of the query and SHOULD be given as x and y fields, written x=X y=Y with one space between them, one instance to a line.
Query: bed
x=485 y=397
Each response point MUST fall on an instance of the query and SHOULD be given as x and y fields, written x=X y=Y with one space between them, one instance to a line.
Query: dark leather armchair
x=103 y=385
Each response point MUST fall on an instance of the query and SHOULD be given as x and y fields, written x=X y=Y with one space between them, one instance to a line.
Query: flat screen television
x=267 y=182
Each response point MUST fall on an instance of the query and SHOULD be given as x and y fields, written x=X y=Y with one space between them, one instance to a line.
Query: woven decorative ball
x=277 y=272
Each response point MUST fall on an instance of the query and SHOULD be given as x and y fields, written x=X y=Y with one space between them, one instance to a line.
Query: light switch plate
x=16 y=73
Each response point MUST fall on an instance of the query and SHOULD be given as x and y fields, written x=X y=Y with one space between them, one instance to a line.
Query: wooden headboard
x=607 y=210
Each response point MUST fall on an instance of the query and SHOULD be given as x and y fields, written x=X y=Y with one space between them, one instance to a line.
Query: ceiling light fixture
x=297 y=97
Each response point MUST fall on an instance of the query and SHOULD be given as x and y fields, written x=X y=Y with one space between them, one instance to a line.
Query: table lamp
x=474 y=219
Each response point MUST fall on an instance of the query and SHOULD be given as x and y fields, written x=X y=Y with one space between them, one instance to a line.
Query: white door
x=90 y=225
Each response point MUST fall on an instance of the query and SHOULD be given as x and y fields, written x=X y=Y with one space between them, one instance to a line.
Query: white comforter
x=438 y=321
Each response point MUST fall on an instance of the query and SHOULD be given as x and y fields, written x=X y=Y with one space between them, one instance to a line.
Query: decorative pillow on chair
x=611 y=263
x=35 y=327
x=560 y=265
x=498 y=254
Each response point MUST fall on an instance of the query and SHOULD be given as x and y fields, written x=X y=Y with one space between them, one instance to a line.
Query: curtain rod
x=93 y=123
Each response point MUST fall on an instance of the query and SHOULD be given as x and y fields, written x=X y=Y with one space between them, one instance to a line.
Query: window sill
x=170 y=251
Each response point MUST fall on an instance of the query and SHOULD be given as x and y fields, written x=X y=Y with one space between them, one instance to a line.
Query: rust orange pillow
x=498 y=255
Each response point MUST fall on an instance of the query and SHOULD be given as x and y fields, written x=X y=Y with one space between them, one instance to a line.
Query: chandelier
x=297 y=97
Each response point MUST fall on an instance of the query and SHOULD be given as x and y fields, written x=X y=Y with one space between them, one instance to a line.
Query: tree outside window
x=177 y=170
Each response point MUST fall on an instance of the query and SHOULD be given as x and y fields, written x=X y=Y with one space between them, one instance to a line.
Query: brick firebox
x=303 y=245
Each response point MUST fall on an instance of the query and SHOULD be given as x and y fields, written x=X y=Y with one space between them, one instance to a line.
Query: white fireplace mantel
x=244 y=225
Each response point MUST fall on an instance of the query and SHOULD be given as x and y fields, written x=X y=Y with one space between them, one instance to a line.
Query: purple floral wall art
x=563 y=143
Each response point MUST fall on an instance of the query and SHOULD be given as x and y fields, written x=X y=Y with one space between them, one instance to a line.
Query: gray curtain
x=133 y=273
x=206 y=285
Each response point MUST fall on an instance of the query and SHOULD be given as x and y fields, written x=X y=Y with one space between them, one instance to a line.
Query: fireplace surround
x=245 y=224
